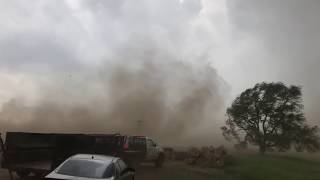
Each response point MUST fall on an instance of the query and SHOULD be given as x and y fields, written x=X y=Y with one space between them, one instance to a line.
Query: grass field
x=245 y=167
x=270 y=167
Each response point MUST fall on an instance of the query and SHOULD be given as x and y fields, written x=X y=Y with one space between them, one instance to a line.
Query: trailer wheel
x=23 y=174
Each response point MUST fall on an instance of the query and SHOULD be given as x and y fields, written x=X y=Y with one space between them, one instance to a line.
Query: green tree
x=270 y=116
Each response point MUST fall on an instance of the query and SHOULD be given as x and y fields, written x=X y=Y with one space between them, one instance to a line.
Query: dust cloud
x=108 y=67
x=140 y=92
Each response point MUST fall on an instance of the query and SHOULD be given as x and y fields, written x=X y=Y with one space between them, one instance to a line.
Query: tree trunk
x=262 y=149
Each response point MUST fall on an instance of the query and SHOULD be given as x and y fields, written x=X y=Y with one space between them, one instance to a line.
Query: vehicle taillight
x=125 y=146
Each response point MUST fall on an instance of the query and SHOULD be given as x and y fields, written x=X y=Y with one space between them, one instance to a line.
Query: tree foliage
x=270 y=116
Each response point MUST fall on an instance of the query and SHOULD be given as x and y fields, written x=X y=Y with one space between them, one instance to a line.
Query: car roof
x=107 y=159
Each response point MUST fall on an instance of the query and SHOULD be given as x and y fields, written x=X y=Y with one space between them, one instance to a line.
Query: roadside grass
x=271 y=166
x=275 y=166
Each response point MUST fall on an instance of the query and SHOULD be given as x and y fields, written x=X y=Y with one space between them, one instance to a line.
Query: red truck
x=39 y=153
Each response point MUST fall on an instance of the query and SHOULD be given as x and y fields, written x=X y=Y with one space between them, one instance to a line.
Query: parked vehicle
x=92 y=167
x=148 y=149
x=40 y=153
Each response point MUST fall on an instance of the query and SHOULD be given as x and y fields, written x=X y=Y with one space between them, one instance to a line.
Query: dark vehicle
x=40 y=153
x=92 y=167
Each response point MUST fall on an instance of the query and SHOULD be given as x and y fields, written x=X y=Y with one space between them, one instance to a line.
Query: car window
x=110 y=171
x=86 y=168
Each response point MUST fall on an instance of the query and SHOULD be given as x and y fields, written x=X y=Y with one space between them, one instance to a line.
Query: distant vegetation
x=270 y=116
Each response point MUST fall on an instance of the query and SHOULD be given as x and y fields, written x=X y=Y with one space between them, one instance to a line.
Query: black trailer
x=39 y=153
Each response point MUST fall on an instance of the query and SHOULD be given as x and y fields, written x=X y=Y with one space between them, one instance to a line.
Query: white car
x=92 y=167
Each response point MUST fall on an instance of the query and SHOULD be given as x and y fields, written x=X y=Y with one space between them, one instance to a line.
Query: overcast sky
x=50 y=47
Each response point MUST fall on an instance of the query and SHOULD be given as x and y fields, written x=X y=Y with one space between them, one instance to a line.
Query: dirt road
x=171 y=171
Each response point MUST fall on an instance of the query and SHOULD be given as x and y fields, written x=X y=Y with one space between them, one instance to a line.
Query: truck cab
x=144 y=149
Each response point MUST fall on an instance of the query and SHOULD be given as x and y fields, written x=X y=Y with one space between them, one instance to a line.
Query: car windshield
x=86 y=168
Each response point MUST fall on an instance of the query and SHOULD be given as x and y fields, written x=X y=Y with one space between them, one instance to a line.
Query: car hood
x=54 y=175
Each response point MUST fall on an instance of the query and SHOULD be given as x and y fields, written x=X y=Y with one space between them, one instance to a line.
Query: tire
x=23 y=174
x=160 y=160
